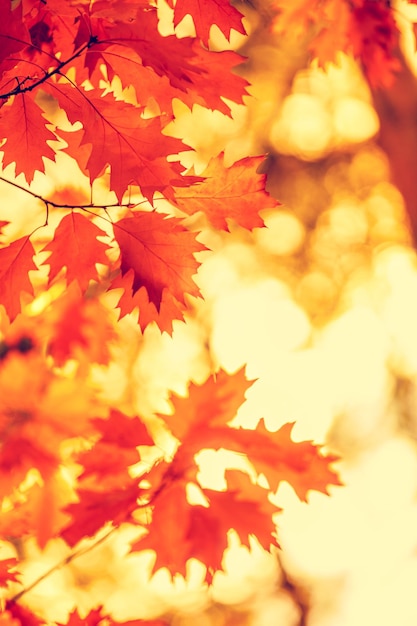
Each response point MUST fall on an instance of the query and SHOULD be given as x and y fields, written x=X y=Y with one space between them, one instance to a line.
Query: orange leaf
x=38 y=411
x=26 y=145
x=235 y=193
x=219 y=12
x=157 y=265
x=16 y=261
x=75 y=246
x=79 y=328
x=6 y=573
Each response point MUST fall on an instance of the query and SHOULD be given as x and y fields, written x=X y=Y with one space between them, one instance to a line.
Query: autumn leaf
x=135 y=148
x=27 y=146
x=180 y=531
x=96 y=508
x=75 y=246
x=366 y=30
x=21 y=615
x=6 y=571
x=35 y=422
x=157 y=264
x=115 y=450
x=373 y=38
x=13 y=34
x=216 y=68
x=97 y=617
x=78 y=327
x=278 y=457
x=204 y=15
x=247 y=515
x=16 y=261
x=207 y=406
x=106 y=491
x=168 y=529
x=236 y=193
x=36 y=511
x=202 y=421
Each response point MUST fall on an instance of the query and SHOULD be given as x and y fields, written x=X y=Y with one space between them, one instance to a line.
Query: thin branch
x=82 y=207
x=68 y=559
x=57 y=70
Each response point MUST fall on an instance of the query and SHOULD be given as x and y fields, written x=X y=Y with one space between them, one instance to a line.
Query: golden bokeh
x=321 y=307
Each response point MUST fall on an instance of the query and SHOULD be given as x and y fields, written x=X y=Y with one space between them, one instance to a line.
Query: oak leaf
x=97 y=617
x=157 y=264
x=206 y=14
x=7 y=571
x=78 y=327
x=13 y=34
x=118 y=136
x=75 y=246
x=202 y=420
x=38 y=411
x=278 y=457
x=115 y=450
x=27 y=145
x=96 y=508
x=16 y=261
x=236 y=193
x=21 y=615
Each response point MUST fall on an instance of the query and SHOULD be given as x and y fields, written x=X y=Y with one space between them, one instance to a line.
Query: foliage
x=96 y=81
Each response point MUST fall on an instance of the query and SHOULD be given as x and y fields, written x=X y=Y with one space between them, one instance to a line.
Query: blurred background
x=321 y=306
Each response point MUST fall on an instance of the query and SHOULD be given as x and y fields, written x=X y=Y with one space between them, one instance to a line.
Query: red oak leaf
x=373 y=38
x=236 y=193
x=93 y=618
x=168 y=529
x=13 y=34
x=37 y=511
x=116 y=449
x=278 y=457
x=247 y=511
x=6 y=571
x=157 y=265
x=96 y=508
x=165 y=55
x=366 y=29
x=205 y=14
x=205 y=68
x=78 y=327
x=180 y=531
x=210 y=405
x=38 y=412
x=27 y=144
x=16 y=261
x=216 y=68
x=97 y=617
x=117 y=135
x=75 y=246
x=21 y=616
x=201 y=421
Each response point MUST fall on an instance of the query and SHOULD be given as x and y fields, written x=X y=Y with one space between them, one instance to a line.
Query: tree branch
x=21 y=89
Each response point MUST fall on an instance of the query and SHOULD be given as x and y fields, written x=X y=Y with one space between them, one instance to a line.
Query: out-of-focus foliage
x=321 y=306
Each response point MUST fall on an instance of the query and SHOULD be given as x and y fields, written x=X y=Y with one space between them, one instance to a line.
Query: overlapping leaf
x=236 y=193
x=157 y=264
x=16 y=261
x=367 y=30
x=208 y=13
x=181 y=530
x=27 y=145
x=75 y=246
x=135 y=148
